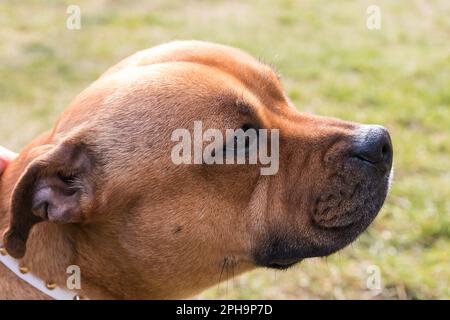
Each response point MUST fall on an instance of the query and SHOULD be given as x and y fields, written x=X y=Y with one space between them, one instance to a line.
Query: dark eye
x=242 y=143
x=246 y=127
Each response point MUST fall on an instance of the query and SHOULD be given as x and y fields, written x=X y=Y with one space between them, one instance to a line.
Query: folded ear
x=56 y=186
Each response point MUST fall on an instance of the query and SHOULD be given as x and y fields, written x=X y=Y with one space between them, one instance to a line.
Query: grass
x=331 y=64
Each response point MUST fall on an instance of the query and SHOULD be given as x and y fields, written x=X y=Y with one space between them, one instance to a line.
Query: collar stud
x=23 y=269
x=50 y=285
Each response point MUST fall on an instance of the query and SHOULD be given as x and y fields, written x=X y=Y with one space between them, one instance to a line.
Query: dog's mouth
x=348 y=200
x=284 y=251
x=337 y=218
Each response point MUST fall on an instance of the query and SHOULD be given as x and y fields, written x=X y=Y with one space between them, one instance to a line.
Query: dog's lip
x=282 y=264
x=339 y=227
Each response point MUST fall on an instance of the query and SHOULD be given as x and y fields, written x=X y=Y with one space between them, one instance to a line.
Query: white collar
x=48 y=288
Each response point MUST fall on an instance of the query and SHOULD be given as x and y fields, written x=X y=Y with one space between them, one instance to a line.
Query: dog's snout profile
x=372 y=144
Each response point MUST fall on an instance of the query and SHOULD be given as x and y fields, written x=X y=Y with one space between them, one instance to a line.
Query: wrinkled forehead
x=178 y=93
x=259 y=78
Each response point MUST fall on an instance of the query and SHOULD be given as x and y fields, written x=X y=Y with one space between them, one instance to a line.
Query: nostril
x=368 y=158
x=385 y=151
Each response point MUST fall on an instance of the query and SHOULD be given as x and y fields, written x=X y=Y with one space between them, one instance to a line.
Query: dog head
x=166 y=229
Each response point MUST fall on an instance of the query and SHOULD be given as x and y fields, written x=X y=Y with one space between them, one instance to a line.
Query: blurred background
x=331 y=64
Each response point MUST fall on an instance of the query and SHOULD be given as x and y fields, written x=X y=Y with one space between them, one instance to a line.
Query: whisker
x=221 y=273
x=227 y=268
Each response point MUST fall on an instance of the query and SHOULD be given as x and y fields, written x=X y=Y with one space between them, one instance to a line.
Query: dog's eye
x=250 y=137
x=247 y=126
x=243 y=140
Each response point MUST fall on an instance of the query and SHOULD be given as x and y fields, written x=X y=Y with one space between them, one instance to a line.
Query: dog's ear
x=57 y=186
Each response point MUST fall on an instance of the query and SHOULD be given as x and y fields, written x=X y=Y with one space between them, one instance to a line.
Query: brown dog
x=100 y=190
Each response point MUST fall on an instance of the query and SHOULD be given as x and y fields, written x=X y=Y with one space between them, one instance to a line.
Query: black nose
x=372 y=144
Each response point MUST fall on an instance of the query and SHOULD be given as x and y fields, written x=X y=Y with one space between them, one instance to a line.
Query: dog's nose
x=372 y=144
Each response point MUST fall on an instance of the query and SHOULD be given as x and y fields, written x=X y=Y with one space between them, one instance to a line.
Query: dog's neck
x=41 y=262
x=50 y=251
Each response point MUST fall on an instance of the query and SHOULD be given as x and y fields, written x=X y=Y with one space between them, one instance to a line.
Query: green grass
x=331 y=64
